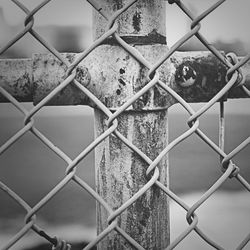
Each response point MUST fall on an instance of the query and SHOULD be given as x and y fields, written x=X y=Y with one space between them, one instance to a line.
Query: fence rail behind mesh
x=130 y=78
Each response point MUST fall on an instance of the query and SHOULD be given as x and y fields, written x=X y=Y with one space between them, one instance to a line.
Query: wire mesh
x=229 y=169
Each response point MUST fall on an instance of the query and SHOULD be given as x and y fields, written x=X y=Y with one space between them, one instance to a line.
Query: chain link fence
x=235 y=78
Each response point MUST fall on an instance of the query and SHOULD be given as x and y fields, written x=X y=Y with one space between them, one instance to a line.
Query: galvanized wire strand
x=30 y=14
x=48 y=197
x=232 y=57
x=46 y=99
x=96 y=5
x=183 y=234
x=14 y=196
x=61 y=245
x=4 y=147
x=13 y=101
x=118 y=13
x=29 y=21
x=236 y=150
x=129 y=239
x=206 y=13
x=16 y=38
x=219 y=151
x=204 y=197
x=18 y=236
x=193 y=222
x=152 y=69
x=70 y=173
x=87 y=150
x=243 y=61
x=140 y=58
x=179 y=201
x=191 y=112
x=135 y=197
x=15 y=137
x=28 y=127
x=171 y=145
x=174 y=48
x=244 y=242
x=243 y=182
x=217 y=97
x=20 y=34
x=209 y=192
x=93 y=193
x=238 y=64
x=103 y=234
x=93 y=46
x=24 y=205
x=246 y=90
x=212 y=101
x=222 y=128
x=86 y=187
x=29 y=225
x=133 y=99
x=50 y=145
x=202 y=38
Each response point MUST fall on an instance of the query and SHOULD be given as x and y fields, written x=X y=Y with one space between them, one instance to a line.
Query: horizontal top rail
x=195 y=76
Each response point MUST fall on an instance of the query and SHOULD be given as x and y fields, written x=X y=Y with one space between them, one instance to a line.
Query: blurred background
x=32 y=170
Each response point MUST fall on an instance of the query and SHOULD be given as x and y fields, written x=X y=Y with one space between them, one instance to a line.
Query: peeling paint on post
x=18 y=80
x=45 y=80
x=120 y=172
x=143 y=22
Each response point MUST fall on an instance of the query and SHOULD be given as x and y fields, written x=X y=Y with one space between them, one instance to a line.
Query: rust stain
x=83 y=76
x=121 y=81
x=118 y=91
x=186 y=75
x=117 y=5
x=137 y=21
x=122 y=71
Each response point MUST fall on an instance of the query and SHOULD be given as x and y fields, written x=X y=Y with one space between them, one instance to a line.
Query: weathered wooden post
x=120 y=172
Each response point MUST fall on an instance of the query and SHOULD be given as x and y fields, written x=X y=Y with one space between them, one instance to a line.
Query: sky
x=228 y=22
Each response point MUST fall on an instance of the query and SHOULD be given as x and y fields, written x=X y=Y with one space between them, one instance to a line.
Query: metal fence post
x=121 y=172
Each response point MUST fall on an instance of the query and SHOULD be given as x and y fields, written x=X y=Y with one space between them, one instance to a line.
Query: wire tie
x=232 y=57
x=61 y=245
